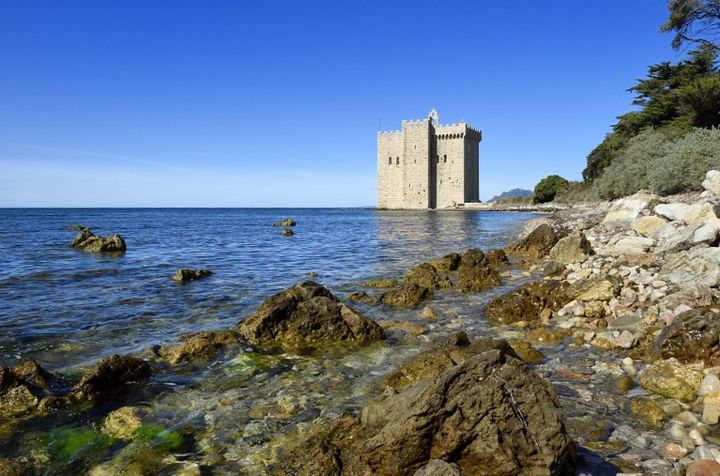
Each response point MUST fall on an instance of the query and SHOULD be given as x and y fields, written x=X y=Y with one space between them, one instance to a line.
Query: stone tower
x=428 y=165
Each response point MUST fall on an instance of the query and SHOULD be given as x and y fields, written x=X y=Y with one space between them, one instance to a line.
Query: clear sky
x=241 y=103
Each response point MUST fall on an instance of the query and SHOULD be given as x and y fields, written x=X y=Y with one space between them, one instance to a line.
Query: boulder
x=381 y=283
x=674 y=236
x=689 y=214
x=478 y=270
x=307 y=315
x=602 y=288
x=536 y=245
x=527 y=302
x=22 y=388
x=707 y=233
x=671 y=379
x=625 y=211
x=703 y=467
x=287 y=232
x=185 y=274
x=362 y=297
x=112 y=375
x=693 y=336
x=88 y=241
x=406 y=295
x=426 y=276
x=631 y=245
x=648 y=226
x=438 y=467
x=573 y=248
x=123 y=422
x=649 y=411
x=490 y=415
x=699 y=265
x=198 y=345
x=712 y=182
x=285 y=223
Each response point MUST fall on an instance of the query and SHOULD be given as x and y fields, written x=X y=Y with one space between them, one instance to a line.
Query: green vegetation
x=547 y=188
x=69 y=443
x=669 y=143
x=159 y=437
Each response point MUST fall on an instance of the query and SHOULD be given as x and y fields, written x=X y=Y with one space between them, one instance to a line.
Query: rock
x=649 y=411
x=185 y=274
x=707 y=233
x=574 y=248
x=488 y=415
x=381 y=283
x=112 y=375
x=447 y=263
x=198 y=345
x=711 y=408
x=406 y=295
x=30 y=373
x=304 y=315
x=362 y=297
x=477 y=270
x=697 y=265
x=625 y=211
x=426 y=276
x=527 y=302
x=594 y=309
x=648 y=226
x=693 y=335
x=123 y=422
x=405 y=326
x=631 y=245
x=429 y=313
x=674 y=236
x=696 y=213
x=547 y=335
x=88 y=241
x=287 y=232
x=623 y=384
x=553 y=269
x=526 y=352
x=596 y=289
x=712 y=182
x=285 y=223
x=671 y=379
x=626 y=340
x=710 y=383
x=673 y=451
x=703 y=467
x=21 y=388
x=536 y=245
x=438 y=467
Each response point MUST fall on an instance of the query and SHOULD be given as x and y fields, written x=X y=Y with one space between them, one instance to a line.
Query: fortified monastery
x=428 y=164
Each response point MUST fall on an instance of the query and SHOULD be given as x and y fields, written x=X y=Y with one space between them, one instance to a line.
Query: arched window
x=397 y=160
x=389 y=160
x=445 y=159
x=438 y=158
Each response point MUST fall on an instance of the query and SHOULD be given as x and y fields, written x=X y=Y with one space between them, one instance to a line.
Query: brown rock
x=362 y=297
x=477 y=271
x=406 y=295
x=198 y=345
x=88 y=241
x=536 y=245
x=426 y=276
x=704 y=467
x=447 y=263
x=527 y=302
x=381 y=283
x=693 y=335
x=405 y=326
x=573 y=248
x=185 y=274
x=113 y=374
x=305 y=315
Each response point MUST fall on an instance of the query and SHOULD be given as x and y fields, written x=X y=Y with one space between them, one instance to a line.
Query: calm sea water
x=67 y=308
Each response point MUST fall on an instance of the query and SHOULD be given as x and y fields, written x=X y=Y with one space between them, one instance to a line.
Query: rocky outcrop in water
x=111 y=376
x=692 y=336
x=183 y=275
x=285 y=223
x=287 y=232
x=406 y=295
x=536 y=245
x=528 y=302
x=478 y=271
x=22 y=388
x=490 y=415
x=88 y=241
x=307 y=315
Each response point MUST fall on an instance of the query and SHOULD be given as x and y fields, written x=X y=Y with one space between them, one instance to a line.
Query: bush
x=628 y=172
x=654 y=161
x=684 y=167
x=547 y=188
x=576 y=192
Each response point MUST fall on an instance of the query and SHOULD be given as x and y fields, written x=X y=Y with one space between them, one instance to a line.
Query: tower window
x=389 y=160
x=397 y=160
x=445 y=159
x=438 y=158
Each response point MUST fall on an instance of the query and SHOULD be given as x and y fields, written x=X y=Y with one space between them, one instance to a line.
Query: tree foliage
x=547 y=188
x=694 y=22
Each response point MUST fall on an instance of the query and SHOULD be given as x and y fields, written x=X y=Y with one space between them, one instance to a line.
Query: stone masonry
x=428 y=164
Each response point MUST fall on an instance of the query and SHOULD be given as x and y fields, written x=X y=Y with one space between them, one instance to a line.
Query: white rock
x=709 y=384
x=696 y=265
x=712 y=182
x=648 y=226
x=624 y=211
x=631 y=246
x=707 y=233
x=696 y=213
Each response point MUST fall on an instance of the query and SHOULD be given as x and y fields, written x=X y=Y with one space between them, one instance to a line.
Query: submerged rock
x=447 y=263
x=198 y=345
x=112 y=375
x=478 y=271
x=88 y=241
x=406 y=295
x=287 y=232
x=536 y=245
x=527 y=302
x=671 y=379
x=489 y=415
x=285 y=223
x=123 y=422
x=362 y=297
x=425 y=275
x=185 y=274
x=307 y=314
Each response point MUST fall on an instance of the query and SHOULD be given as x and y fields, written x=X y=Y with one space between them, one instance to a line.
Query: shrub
x=684 y=166
x=547 y=188
x=628 y=173
x=576 y=192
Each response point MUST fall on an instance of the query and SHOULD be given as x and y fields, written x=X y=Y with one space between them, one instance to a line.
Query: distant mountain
x=516 y=192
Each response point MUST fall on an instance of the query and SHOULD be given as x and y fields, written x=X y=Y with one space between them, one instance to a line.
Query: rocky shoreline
x=619 y=315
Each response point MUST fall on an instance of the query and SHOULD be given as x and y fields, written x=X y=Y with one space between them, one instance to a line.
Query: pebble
x=709 y=384
x=697 y=438
x=687 y=418
x=674 y=451
x=703 y=468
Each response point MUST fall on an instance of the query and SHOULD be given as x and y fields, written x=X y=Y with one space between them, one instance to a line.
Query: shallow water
x=239 y=412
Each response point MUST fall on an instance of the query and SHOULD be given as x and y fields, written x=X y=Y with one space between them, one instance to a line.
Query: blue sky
x=231 y=103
